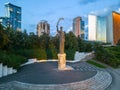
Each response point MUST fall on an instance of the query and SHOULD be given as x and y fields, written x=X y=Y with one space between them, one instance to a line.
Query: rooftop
x=8 y=3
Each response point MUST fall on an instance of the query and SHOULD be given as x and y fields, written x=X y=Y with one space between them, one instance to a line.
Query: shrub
x=32 y=53
x=51 y=53
x=70 y=54
x=109 y=55
x=28 y=53
x=15 y=61
x=3 y=57
x=40 y=54
x=11 y=60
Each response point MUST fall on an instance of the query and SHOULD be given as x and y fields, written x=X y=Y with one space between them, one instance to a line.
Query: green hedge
x=39 y=53
x=16 y=58
x=52 y=53
x=70 y=54
x=32 y=53
x=11 y=60
x=15 y=61
x=108 y=55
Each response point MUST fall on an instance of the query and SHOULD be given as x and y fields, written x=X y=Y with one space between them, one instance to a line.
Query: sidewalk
x=116 y=79
x=115 y=73
x=45 y=76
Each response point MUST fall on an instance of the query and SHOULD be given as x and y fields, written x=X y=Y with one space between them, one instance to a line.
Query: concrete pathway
x=47 y=73
x=115 y=73
x=45 y=76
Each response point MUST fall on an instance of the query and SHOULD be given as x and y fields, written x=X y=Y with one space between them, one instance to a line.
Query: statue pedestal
x=61 y=61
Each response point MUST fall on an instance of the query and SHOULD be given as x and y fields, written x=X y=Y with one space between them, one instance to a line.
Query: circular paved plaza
x=45 y=76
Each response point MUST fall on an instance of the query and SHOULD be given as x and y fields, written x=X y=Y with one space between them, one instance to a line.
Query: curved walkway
x=45 y=76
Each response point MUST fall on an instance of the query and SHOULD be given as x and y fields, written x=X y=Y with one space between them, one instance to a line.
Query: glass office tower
x=12 y=18
x=78 y=27
x=13 y=12
x=92 y=27
x=96 y=28
x=104 y=29
x=101 y=29
x=113 y=28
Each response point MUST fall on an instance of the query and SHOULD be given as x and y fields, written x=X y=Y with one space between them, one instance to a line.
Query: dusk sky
x=51 y=10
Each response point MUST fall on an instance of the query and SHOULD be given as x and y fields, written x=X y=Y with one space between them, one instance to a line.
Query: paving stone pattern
x=83 y=66
x=99 y=81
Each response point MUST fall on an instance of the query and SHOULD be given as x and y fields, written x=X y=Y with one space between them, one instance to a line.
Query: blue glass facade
x=101 y=29
x=86 y=34
x=14 y=14
x=13 y=17
x=97 y=28
x=82 y=29
x=4 y=21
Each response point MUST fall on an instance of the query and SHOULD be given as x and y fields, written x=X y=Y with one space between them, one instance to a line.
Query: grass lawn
x=95 y=64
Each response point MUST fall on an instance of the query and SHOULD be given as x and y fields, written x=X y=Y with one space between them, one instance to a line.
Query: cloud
x=116 y=5
x=85 y=16
x=30 y=28
x=103 y=12
x=53 y=33
x=49 y=13
x=118 y=10
x=53 y=30
x=83 y=2
x=105 y=7
x=70 y=29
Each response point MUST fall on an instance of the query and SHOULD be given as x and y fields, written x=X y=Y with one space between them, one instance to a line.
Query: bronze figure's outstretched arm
x=58 y=23
x=61 y=37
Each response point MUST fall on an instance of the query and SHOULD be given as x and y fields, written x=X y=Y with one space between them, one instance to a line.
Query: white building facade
x=104 y=29
x=43 y=27
x=92 y=27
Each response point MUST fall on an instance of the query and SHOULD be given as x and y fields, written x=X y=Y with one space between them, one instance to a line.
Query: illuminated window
x=18 y=12
x=11 y=9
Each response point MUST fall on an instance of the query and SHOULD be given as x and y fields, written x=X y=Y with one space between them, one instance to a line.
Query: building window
x=11 y=9
x=18 y=12
x=19 y=21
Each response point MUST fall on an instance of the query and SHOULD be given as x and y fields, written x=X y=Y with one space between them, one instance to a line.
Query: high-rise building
x=92 y=27
x=4 y=21
x=78 y=27
x=43 y=27
x=113 y=28
x=96 y=28
x=101 y=29
x=12 y=17
x=104 y=29
x=86 y=34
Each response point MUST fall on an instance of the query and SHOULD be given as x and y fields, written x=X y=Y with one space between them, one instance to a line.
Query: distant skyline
x=52 y=10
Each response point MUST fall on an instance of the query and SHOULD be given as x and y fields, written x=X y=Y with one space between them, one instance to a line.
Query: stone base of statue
x=62 y=62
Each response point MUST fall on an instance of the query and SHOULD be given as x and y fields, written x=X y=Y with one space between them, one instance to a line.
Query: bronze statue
x=61 y=40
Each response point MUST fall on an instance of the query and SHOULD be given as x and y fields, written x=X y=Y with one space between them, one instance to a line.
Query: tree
x=81 y=45
x=55 y=41
x=44 y=41
x=3 y=37
x=71 y=41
